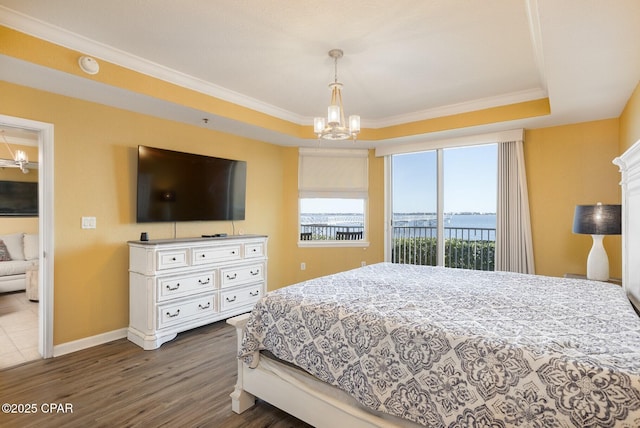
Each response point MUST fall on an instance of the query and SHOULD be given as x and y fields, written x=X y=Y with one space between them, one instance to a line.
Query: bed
x=404 y=345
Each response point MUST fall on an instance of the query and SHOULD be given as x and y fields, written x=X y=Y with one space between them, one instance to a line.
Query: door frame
x=45 y=227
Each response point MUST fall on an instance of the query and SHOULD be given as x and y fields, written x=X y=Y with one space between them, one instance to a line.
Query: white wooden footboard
x=273 y=385
x=241 y=400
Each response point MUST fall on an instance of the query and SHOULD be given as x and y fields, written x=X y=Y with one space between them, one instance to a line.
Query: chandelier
x=334 y=126
x=20 y=159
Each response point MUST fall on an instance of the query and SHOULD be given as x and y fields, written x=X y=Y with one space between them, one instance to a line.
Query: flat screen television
x=18 y=199
x=176 y=186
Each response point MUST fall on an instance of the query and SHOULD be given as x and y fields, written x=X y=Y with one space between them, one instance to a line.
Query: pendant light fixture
x=334 y=126
x=19 y=157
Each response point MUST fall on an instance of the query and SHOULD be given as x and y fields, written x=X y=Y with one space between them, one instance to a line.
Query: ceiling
x=404 y=61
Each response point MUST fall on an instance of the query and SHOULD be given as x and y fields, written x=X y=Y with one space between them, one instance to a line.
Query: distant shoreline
x=402 y=213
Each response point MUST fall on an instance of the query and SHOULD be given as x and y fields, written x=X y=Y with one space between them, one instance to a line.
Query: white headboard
x=629 y=163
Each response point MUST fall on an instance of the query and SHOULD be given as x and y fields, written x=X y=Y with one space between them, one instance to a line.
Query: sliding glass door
x=414 y=179
x=444 y=207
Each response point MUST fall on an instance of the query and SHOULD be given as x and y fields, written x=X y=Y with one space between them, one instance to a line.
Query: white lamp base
x=598 y=262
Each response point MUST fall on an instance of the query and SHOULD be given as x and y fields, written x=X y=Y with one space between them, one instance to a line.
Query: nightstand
x=616 y=281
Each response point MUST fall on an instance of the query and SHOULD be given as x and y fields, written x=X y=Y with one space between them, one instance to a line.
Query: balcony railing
x=465 y=247
x=324 y=232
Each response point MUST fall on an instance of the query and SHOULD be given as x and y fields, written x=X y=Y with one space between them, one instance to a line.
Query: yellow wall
x=630 y=121
x=324 y=261
x=568 y=166
x=95 y=163
x=18 y=225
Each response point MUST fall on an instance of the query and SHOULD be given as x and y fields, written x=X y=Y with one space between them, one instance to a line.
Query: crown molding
x=465 y=107
x=60 y=36
x=461 y=141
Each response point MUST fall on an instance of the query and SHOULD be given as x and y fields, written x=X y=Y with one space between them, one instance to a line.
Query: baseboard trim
x=88 y=342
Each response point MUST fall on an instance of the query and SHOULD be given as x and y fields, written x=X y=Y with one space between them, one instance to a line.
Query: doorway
x=45 y=226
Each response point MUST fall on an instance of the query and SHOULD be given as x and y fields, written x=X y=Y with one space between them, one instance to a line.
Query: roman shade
x=333 y=173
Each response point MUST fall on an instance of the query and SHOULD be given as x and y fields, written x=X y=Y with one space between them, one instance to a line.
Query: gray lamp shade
x=598 y=219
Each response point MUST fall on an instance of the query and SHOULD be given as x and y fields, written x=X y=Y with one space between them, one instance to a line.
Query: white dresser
x=179 y=284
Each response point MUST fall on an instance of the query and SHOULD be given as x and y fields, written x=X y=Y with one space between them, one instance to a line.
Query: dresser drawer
x=241 y=297
x=178 y=286
x=175 y=313
x=172 y=259
x=207 y=255
x=253 y=250
x=237 y=275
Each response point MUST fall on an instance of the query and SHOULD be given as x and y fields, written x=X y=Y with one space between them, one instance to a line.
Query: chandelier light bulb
x=21 y=156
x=334 y=126
x=354 y=124
x=318 y=124
x=333 y=115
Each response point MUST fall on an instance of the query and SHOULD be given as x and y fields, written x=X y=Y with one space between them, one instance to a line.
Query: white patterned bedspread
x=459 y=348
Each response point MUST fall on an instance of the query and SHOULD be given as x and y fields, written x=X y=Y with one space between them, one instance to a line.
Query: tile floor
x=18 y=329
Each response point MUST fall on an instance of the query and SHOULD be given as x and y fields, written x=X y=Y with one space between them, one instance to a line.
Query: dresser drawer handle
x=235 y=275
x=254 y=293
x=203 y=255
x=255 y=250
x=173 y=259
x=254 y=273
x=170 y=315
x=233 y=252
x=204 y=307
x=230 y=300
x=201 y=282
x=173 y=288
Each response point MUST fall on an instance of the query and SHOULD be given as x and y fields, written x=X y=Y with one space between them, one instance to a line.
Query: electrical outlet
x=363 y=263
x=88 y=222
x=303 y=266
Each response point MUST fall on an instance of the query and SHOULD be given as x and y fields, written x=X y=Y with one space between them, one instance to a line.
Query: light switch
x=88 y=222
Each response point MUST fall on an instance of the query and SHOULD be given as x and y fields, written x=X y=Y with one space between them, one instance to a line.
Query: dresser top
x=155 y=242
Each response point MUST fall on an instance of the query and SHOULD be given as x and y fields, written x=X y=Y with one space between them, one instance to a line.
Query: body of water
x=472 y=220
x=468 y=227
x=461 y=226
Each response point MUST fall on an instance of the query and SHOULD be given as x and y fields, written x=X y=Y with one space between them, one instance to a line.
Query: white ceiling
x=405 y=60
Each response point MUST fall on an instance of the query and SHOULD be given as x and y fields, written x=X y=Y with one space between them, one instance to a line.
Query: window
x=444 y=207
x=415 y=208
x=331 y=219
x=332 y=194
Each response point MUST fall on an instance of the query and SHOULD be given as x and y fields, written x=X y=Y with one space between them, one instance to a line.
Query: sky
x=470 y=180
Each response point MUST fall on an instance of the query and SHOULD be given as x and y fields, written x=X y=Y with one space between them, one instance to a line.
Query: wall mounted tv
x=176 y=186
x=18 y=199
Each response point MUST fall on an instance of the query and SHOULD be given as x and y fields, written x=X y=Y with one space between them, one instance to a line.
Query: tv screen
x=18 y=198
x=176 y=186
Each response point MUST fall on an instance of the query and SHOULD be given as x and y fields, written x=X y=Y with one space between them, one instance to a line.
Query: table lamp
x=598 y=220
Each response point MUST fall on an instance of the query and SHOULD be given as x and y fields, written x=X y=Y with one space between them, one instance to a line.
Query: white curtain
x=514 y=245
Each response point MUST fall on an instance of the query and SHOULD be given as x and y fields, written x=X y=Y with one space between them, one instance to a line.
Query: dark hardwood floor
x=184 y=383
